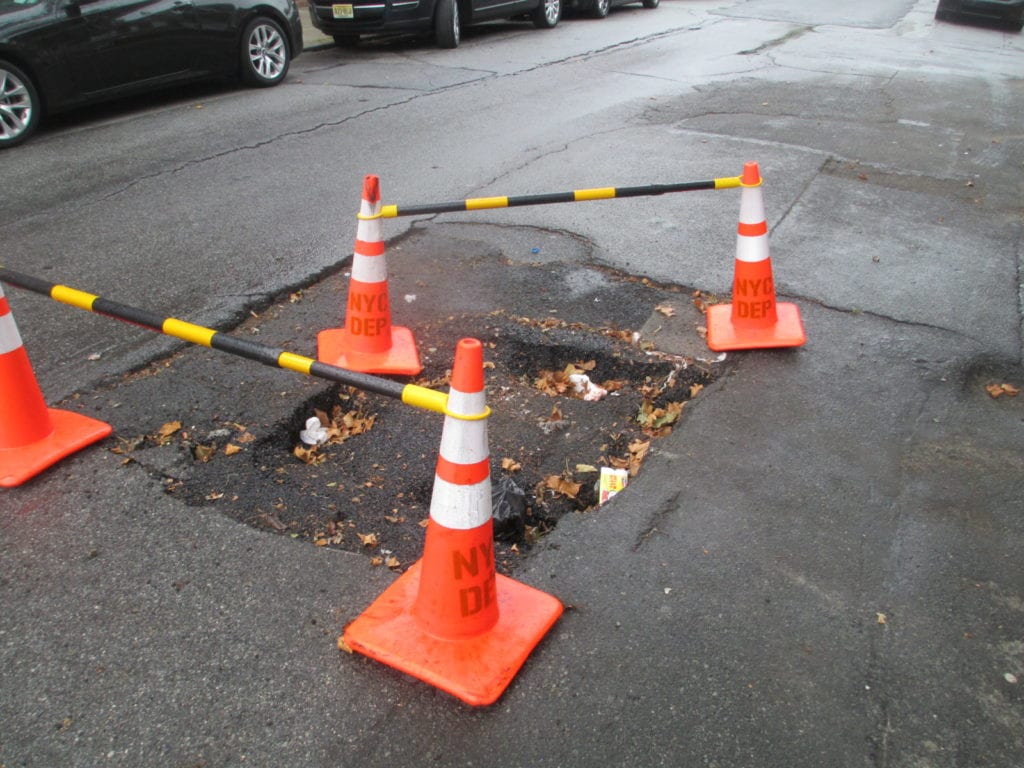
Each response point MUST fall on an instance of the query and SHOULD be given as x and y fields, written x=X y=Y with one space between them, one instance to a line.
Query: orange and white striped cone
x=32 y=436
x=369 y=343
x=450 y=620
x=754 y=320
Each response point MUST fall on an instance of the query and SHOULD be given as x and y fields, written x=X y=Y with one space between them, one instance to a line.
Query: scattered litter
x=314 y=433
x=583 y=385
x=94 y=356
x=535 y=250
x=1010 y=678
x=718 y=359
x=508 y=508
x=554 y=422
x=612 y=481
x=410 y=298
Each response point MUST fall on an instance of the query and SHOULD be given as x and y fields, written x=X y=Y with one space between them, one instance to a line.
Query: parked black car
x=59 y=54
x=598 y=9
x=1007 y=12
x=345 y=22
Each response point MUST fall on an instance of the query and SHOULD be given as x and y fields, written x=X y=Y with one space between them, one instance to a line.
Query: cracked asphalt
x=819 y=567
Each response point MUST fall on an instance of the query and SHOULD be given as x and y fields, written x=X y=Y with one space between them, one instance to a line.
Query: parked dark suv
x=345 y=22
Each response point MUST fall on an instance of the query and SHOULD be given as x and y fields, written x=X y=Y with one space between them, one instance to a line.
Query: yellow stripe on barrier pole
x=75 y=298
x=196 y=334
x=483 y=203
x=293 y=362
x=601 y=193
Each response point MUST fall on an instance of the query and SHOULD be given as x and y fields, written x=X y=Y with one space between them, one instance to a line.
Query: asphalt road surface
x=820 y=566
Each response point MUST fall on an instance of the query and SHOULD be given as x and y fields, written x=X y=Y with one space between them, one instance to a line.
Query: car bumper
x=371 y=16
x=1005 y=10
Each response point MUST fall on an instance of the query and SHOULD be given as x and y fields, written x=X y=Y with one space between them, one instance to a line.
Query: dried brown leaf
x=168 y=429
x=204 y=453
x=562 y=485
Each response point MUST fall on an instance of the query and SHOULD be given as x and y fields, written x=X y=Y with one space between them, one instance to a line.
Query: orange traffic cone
x=369 y=343
x=450 y=620
x=32 y=436
x=754 y=320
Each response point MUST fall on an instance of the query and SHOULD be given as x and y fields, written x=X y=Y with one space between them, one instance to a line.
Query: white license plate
x=342 y=11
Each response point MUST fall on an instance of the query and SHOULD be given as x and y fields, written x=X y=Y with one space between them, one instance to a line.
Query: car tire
x=651 y=3
x=547 y=14
x=265 y=55
x=599 y=8
x=20 y=108
x=447 y=25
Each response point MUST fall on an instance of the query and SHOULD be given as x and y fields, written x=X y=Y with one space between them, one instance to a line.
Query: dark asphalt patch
x=240 y=422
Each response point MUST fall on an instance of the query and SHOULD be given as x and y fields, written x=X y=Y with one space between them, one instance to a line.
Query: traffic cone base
x=71 y=432
x=475 y=669
x=725 y=335
x=335 y=347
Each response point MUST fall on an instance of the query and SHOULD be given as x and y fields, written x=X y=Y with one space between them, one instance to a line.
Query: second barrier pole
x=410 y=394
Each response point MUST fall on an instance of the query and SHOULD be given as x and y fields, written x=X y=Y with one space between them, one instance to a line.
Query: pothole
x=221 y=432
x=370 y=492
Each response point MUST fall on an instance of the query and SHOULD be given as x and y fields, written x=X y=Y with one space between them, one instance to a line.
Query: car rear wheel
x=547 y=14
x=599 y=8
x=19 y=106
x=265 y=55
x=447 y=27
x=651 y=3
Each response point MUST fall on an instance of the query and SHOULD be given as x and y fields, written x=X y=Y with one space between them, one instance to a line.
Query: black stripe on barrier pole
x=410 y=394
x=576 y=196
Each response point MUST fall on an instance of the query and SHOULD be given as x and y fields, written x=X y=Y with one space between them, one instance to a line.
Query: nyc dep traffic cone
x=754 y=320
x=369 y=343
x=32 y=436
x=450 y=620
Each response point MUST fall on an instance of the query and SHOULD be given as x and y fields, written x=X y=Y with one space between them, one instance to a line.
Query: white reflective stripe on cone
x=10 y=339
x=465 y=442
x=752 y=206
x=751 y=248
x=461 y=507
x=369 y=230
x=369 y=269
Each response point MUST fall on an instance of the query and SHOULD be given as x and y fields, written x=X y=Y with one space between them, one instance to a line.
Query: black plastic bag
x=508 y=508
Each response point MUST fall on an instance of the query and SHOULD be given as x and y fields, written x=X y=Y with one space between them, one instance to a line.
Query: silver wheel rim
x=15 y=106
x=551 y=9
x=456 y=23
x=603 y=6
x=267 y=52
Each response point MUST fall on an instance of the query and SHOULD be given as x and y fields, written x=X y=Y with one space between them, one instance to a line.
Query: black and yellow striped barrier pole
x=576 y=196
x=410 y=394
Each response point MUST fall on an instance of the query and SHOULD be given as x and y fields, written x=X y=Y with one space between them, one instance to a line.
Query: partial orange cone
x=369 y=343
x=450 y=620
x=754 y=320
x=32 y=436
